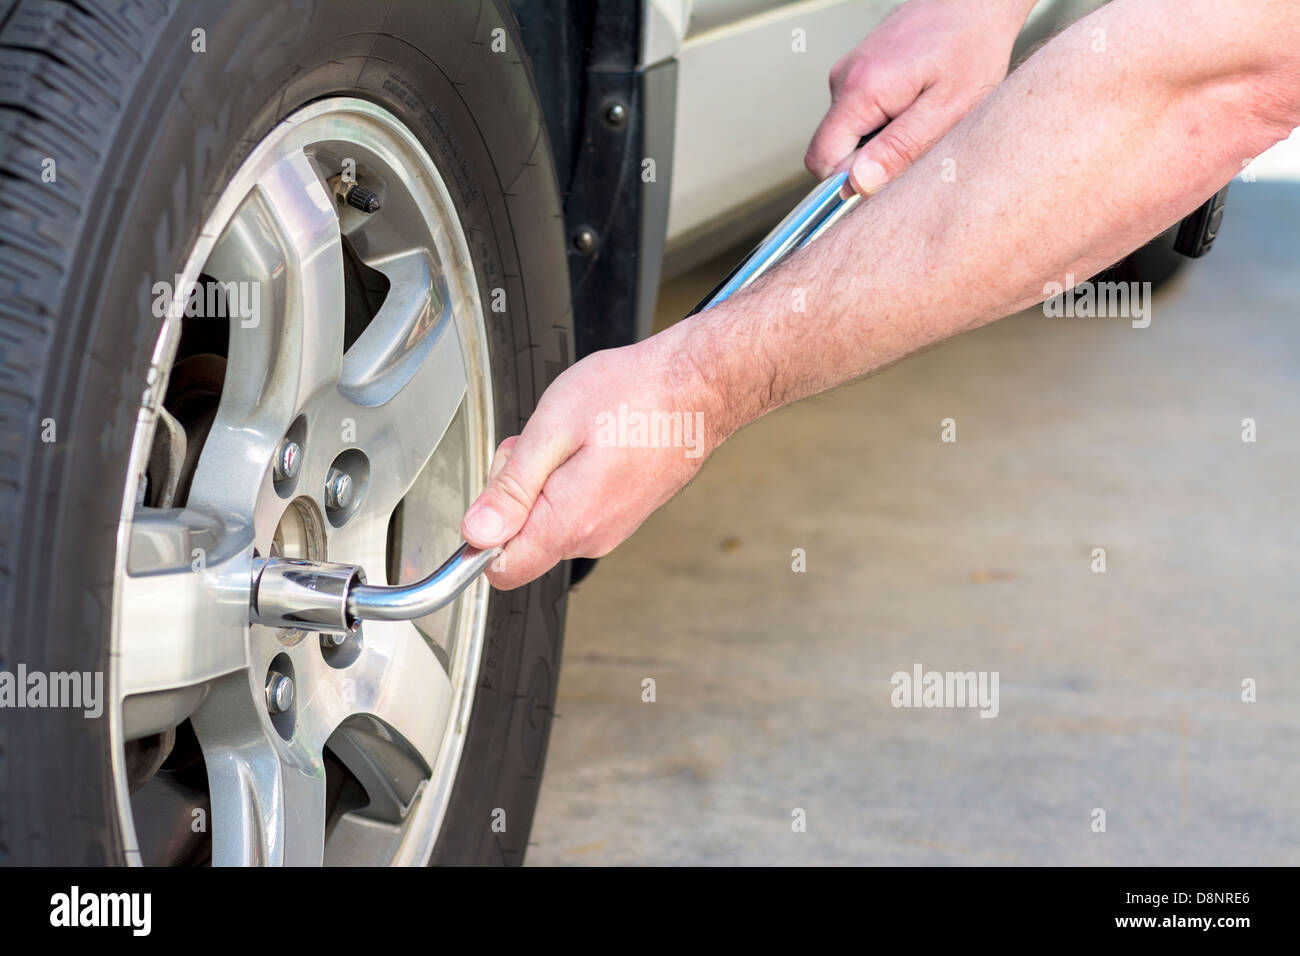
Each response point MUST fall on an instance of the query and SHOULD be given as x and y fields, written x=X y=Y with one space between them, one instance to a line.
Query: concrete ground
x=1119 y=691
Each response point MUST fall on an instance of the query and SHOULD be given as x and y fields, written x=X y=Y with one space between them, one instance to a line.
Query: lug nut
x=338 y=489
x=279 y=692
x=288 y=459
x=584 y=240
x=359 y=197
x=616 y=115
x=332 y=639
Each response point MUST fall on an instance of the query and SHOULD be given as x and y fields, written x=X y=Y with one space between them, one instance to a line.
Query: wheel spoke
x=268 y=794
x=284 y=242
x=407 y=376
x=398 y=680
x=390 y=349
x=183 y=602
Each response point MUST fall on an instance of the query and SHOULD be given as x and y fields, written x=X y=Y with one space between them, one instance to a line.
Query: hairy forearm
x=1108 y=135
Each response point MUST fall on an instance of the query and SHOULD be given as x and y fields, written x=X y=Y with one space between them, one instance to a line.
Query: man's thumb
x=896 y=147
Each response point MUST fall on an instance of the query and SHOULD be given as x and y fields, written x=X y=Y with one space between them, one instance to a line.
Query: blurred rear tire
x=1156 y=262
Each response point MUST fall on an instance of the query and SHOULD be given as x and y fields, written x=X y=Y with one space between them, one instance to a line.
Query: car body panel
x=751 y=89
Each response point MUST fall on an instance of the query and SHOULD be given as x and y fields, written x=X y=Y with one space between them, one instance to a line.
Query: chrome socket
x=307 y=595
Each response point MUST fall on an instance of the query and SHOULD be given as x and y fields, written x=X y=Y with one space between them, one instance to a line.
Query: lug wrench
x=334 y=598
x=805 y=223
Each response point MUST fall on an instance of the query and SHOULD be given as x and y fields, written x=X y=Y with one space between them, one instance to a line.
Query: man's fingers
x=533 y=551
x=565 y=521
x=838 y=134
x=519 y=472
x=898 y=145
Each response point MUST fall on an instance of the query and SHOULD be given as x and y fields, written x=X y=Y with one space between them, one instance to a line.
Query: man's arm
x=1113 y=131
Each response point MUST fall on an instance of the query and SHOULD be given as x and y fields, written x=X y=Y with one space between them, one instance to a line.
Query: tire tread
x=63 y=69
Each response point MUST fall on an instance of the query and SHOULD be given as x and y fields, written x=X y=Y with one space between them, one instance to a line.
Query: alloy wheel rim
x=384 y=415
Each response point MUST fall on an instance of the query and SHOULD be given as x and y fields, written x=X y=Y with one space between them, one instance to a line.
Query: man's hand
x=613 y=439
x=921 y=71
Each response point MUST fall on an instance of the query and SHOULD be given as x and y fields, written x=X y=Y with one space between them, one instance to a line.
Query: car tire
x=1155 y=262
x=138 y=112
